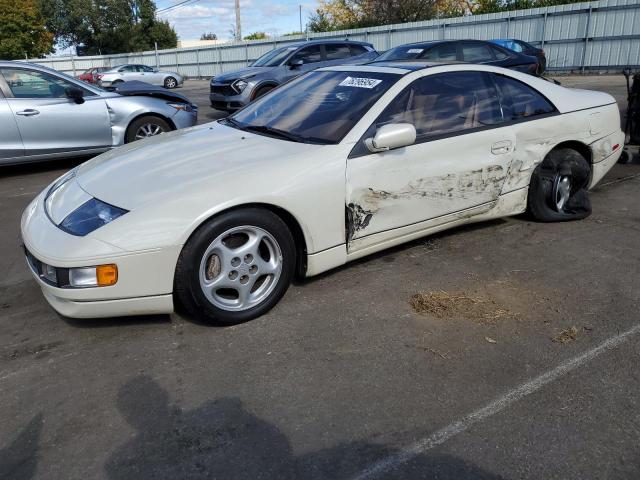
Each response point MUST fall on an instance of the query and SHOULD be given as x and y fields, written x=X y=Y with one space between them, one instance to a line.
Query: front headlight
x=182 y=106
x=90 y=216
x=239 y=85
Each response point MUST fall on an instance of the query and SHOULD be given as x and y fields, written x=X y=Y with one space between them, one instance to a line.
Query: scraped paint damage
x=368 y=201
x=357 y=218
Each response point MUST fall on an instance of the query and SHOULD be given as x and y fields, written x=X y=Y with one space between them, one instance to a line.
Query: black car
x=469 y=51
x=520 y=46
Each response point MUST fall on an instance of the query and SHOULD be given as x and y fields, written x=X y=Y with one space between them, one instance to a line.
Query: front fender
x=123 y=110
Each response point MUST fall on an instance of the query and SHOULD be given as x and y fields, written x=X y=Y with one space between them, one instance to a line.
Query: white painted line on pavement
x=499 y=404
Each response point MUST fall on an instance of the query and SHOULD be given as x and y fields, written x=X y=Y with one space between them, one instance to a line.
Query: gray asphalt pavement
x=529 y=373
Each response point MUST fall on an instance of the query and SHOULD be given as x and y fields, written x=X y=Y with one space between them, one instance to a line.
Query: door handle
x=29 y=112
x=500 y=148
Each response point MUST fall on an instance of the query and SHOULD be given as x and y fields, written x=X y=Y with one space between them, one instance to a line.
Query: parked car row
x=232 y=91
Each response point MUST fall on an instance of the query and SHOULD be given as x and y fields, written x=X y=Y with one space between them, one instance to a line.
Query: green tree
x=22 y=30
x=208 y=36
x=107 y=26
x=256 y=36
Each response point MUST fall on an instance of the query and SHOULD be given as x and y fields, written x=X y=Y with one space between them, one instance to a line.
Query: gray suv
x=234 y=90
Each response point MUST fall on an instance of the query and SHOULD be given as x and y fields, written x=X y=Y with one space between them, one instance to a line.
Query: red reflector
x=615 y=147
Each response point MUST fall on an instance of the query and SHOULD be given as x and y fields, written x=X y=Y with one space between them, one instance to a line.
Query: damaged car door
x=455 y=168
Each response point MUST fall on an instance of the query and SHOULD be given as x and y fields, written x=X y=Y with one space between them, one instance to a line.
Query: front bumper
x=184 y=119
x=224 y=97
x=145 y=278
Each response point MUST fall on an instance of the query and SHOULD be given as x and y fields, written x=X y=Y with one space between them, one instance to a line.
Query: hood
x=244 y=73
x=169 y=166
x=135 y=88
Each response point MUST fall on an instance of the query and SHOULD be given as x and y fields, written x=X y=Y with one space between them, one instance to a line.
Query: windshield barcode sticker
x=415 y=50
x=359 y=82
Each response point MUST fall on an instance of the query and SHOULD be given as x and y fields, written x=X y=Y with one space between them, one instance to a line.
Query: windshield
x=274 y=57
x=319 y=107
x=406 y=52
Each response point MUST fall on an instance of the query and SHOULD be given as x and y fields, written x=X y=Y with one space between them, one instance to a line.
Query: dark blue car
x=469 y=51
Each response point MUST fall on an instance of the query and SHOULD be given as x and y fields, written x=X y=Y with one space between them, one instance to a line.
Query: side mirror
x=393 y=135
x=75 y=94
x=293 y=64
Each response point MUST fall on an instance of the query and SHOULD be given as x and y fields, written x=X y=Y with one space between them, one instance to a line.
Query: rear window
x=519 y=100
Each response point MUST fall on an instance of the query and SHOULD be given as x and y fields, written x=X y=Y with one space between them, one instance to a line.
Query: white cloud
x=218 y=16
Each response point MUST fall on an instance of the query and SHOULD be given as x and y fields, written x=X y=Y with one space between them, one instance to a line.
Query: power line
x=172 y=7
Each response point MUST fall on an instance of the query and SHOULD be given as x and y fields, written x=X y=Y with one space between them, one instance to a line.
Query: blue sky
x=200 y=16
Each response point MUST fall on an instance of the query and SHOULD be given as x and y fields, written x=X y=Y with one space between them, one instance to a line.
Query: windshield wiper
x=275 y=132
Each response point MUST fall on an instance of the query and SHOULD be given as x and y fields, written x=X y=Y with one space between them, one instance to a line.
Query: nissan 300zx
x=332 y=166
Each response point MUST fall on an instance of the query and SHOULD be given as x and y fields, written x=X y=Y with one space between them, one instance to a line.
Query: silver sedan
x=142 y=73
x=46 y=114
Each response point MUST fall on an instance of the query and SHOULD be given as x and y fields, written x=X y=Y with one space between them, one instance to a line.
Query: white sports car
x=334 y=165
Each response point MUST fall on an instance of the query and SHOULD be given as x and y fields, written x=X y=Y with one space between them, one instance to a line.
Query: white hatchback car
x=336 y=164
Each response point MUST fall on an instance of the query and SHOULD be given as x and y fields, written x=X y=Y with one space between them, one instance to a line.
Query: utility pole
x=300 y=7
x=238 y=31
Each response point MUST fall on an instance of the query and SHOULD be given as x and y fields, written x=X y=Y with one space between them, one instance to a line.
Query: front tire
x=170 y=83
x=236 y=266
x=558 y=188
x=146 y=126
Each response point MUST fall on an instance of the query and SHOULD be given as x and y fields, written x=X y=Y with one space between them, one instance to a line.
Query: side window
x=441 y=53
x=476 y=53
x=499 y=54
x=144 y=68
x=128 y=68
x=358 y=50
x=445 y=103
x=337 y=51
x=520 y=100
x=34 y=84
x=309 y=54
x=516 y=47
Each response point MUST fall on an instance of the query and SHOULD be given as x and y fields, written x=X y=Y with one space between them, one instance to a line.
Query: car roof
x=410 y=65
x=391 y=66
x=326 y=41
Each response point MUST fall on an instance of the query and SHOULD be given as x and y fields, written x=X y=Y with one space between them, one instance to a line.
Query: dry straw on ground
x=459 y=305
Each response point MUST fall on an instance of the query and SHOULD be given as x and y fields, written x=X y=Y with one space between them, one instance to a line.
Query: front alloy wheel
x=236 y=266
x=240 y=268
x=145 y=127
x=148 y=130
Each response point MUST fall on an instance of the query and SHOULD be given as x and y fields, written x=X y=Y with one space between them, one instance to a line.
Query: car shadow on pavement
x=221 y=439
x=30 y=168
x=19 y=459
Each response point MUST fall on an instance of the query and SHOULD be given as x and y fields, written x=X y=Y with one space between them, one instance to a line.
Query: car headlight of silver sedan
x=90 y=216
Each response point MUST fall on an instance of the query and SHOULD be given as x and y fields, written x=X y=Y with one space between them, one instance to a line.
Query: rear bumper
x=605 y=156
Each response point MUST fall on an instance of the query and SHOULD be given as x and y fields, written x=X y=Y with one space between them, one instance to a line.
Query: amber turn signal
x=106 y=275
